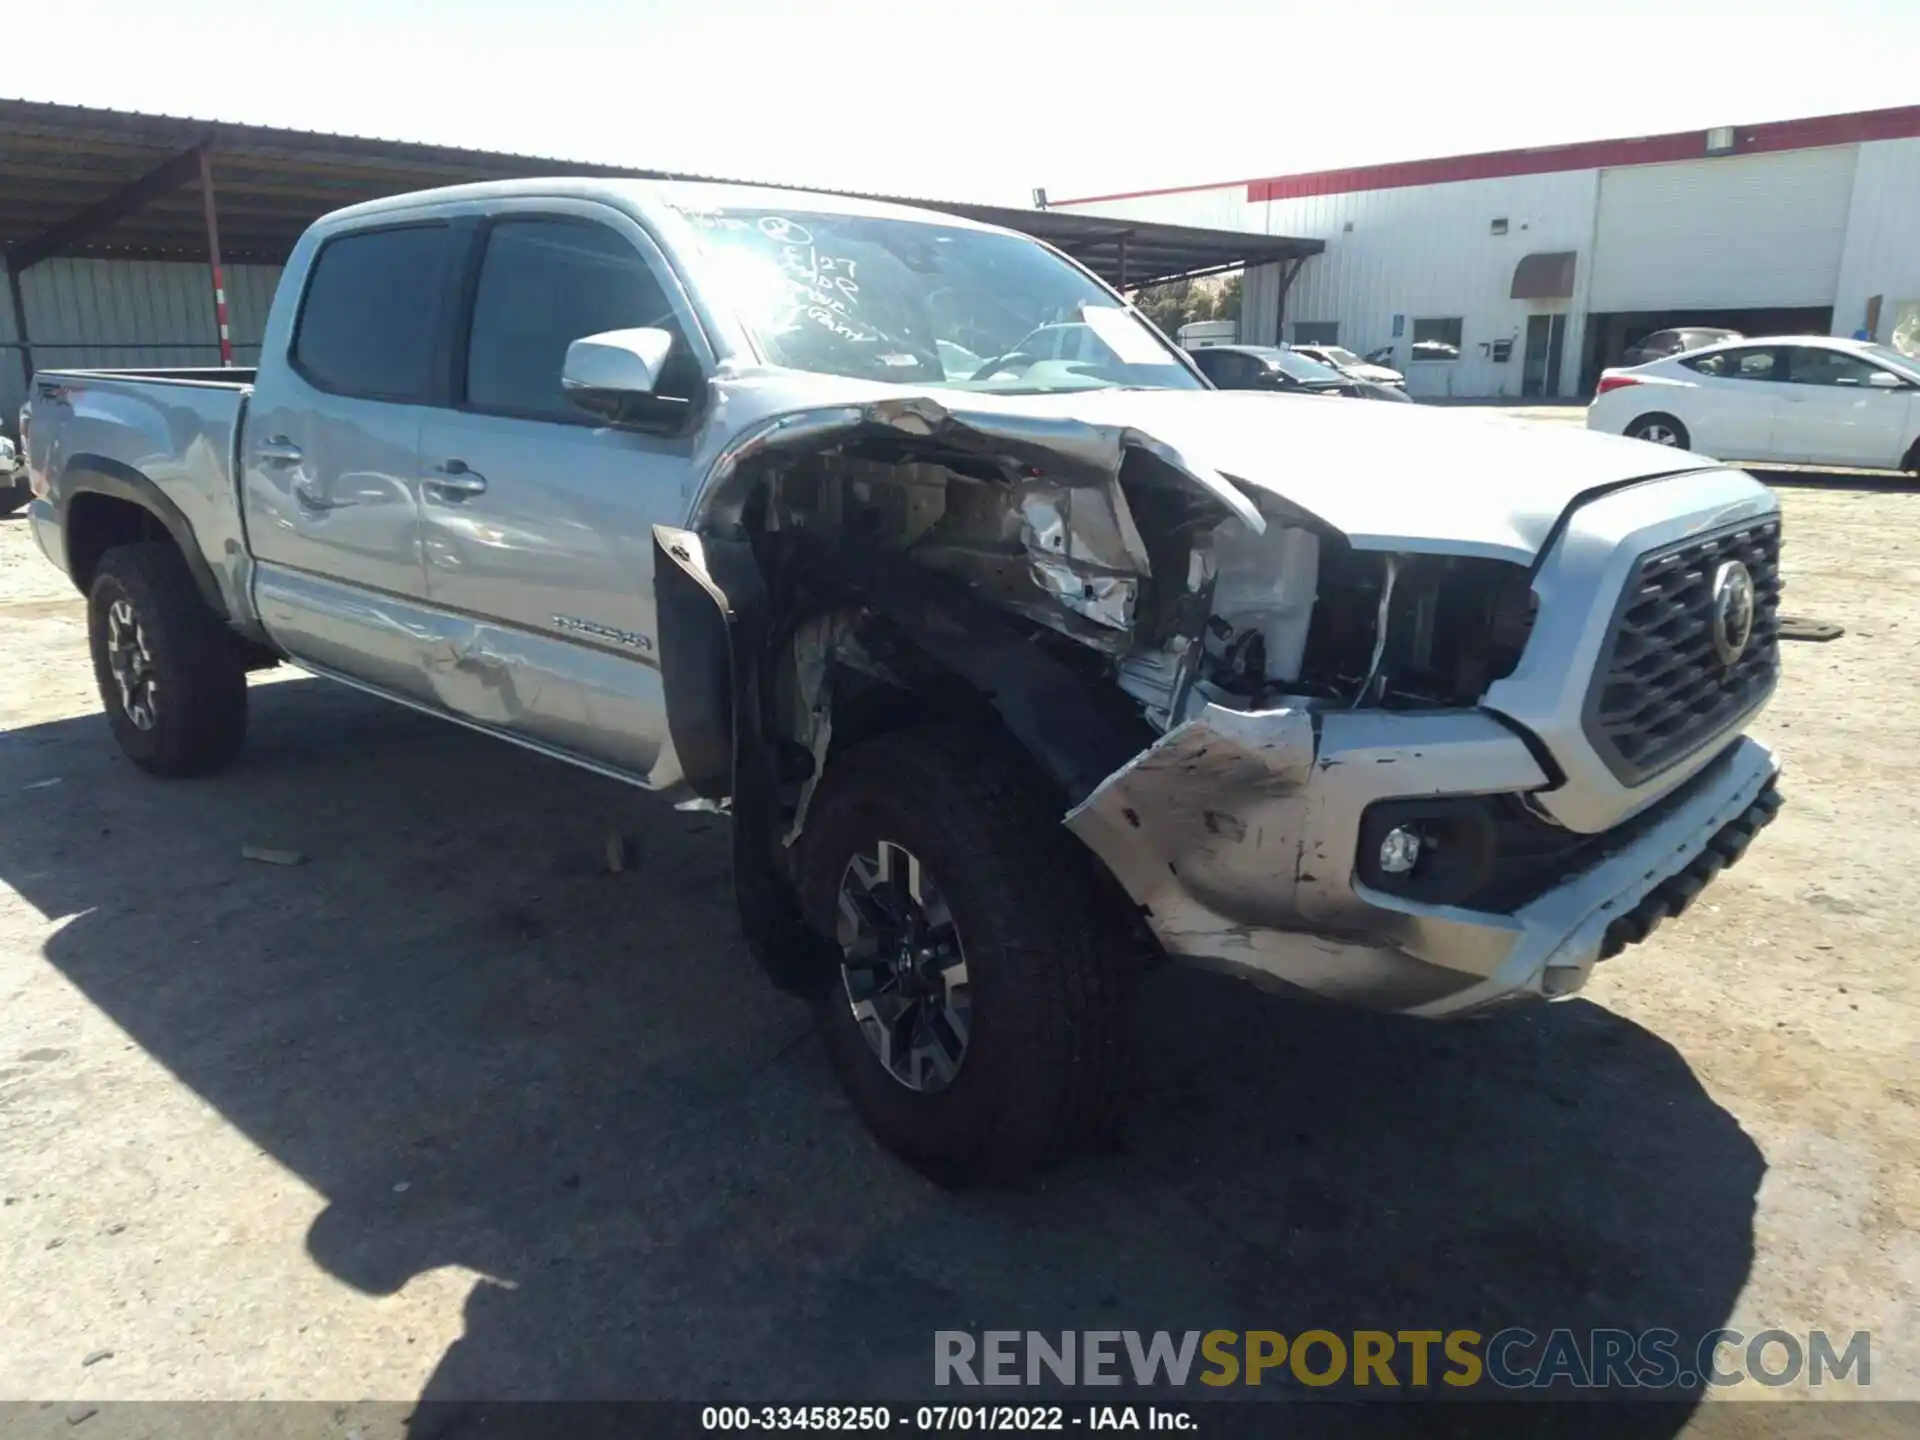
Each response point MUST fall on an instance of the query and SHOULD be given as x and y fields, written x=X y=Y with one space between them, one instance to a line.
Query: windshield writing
x=925 y=304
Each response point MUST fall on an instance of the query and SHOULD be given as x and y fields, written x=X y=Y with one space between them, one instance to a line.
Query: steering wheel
x=1003 y=362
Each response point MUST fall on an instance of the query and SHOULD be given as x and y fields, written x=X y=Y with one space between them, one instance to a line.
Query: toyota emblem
x=1732 y=611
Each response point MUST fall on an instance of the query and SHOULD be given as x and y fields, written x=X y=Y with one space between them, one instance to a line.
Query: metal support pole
x=1122 y=286
x=20 y=328
x=213 y=257
x=1288 y=270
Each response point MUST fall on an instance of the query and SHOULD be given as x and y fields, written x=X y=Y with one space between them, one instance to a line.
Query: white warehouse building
x=1524 y=272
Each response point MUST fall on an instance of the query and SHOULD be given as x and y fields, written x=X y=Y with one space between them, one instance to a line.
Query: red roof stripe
x=1805 y=134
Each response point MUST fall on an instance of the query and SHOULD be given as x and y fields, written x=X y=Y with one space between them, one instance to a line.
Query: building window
x=1316 y=332
x=1437 y=339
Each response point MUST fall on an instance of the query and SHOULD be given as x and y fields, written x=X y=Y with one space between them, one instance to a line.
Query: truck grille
x=1662 y=689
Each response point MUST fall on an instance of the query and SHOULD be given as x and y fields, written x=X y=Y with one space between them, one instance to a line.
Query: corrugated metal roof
x=58 y=162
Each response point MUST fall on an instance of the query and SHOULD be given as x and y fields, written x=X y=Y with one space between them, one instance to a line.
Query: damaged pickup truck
x=1016 y=653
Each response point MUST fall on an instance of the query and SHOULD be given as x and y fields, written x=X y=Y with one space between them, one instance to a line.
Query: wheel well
x=876 y=709
x=97 y=523
x=1912 y=458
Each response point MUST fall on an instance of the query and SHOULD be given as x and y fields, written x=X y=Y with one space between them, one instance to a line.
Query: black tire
x=198 y=711
x=14 y=495
x=1048 y=968
x=1655 y=429
x=1911 y=461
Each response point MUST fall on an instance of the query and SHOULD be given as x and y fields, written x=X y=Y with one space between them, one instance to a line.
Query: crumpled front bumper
x=1237 y=832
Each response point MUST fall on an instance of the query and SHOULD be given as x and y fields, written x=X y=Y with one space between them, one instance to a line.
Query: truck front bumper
x=1238 y=834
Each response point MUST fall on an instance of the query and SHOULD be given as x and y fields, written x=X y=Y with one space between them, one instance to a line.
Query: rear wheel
x=14 y=494
x=173 y=678
x=1660 y=430
x=977 y=1018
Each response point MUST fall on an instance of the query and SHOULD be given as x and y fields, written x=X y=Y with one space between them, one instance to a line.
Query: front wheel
x=977 y=1018
x=1660 y=430
x=173 y=678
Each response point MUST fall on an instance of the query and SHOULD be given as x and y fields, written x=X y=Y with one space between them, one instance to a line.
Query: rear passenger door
x=330 y=448
x=1733 y=413
x=537 y=517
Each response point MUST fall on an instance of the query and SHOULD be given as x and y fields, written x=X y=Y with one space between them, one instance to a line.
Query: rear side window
x=1737 y=364
x=545 y=284
x=1234 y=371
x=370 y=320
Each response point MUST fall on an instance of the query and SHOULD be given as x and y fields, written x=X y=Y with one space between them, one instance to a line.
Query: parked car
x=1340 y=358
x=1797 y=399
x=1663 y=343
x=1005 y=680
x=1269 y=367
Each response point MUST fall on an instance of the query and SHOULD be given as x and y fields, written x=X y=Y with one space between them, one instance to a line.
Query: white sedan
x=1797 y=400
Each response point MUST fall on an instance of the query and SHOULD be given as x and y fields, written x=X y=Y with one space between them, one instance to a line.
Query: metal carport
x=171 y=195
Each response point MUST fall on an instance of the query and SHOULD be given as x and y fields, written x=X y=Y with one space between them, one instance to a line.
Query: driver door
x=537 y=518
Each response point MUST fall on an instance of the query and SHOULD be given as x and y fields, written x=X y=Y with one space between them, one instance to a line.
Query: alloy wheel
x=132 y=664
x=904 y=970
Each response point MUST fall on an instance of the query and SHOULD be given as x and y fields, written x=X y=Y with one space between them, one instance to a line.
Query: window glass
x=1810 y=366
x=1437 y=339
x=1736 y=364
x=1237 y=371
x=545 y=284
x=1316 y=332
x=894 y=299
x=371 y=313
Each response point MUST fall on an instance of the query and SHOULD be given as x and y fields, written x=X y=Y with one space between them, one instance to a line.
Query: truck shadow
x=486 y=1051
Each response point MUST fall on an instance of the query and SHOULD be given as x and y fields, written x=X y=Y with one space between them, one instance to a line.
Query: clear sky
x=977 y=99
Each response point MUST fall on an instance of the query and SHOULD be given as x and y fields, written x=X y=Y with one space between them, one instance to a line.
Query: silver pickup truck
x=1017 y=653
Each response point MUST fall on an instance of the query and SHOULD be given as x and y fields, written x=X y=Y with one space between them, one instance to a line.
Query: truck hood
x=1389 y=477
x=1404 y=478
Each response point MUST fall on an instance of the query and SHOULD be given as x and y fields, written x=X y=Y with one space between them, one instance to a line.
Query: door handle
x=454 y=480
x=312 y=502
x=277 y=450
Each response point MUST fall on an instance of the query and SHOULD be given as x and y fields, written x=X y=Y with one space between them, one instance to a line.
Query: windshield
x=1301 y=367
x=1340 y=355
x=925 y=304
x=1887 y=355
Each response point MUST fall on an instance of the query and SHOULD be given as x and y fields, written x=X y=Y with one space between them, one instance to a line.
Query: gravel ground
x=449 y=1111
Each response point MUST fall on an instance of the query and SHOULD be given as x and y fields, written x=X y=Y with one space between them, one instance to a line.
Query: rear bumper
x=1238 y=834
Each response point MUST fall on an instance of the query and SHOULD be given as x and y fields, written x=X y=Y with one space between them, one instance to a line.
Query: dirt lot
x=449 y=1110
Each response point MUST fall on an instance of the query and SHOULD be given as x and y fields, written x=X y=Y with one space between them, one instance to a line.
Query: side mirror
x=614 y=364
x=1886 y=380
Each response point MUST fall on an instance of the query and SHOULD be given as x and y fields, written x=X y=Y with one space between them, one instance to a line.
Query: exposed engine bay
x=1144 y=586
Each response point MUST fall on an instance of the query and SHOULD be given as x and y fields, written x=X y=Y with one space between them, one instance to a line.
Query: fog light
x=1400 y=851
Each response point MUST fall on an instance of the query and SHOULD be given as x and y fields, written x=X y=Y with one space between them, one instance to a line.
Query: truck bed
x=170 y=433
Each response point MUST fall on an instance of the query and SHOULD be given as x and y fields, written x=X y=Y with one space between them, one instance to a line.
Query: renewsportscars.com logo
x=1459 y=1360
